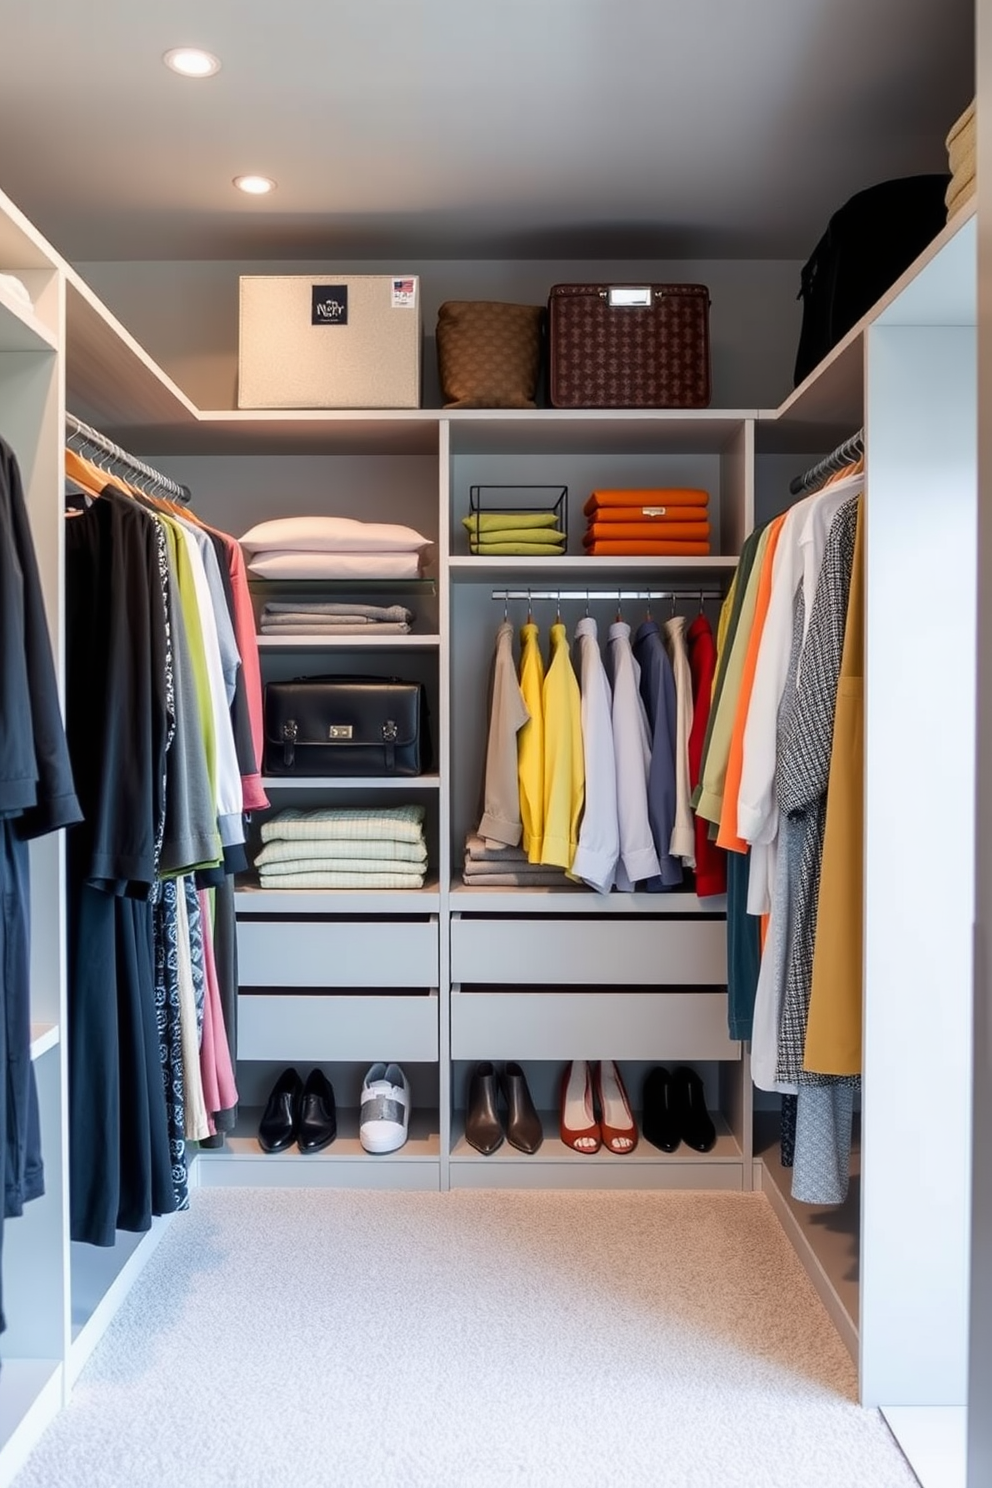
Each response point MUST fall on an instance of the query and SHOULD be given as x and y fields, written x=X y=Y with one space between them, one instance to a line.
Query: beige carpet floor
x=325 y=1339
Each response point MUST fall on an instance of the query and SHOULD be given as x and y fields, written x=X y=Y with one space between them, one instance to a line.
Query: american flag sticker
x=404 y=294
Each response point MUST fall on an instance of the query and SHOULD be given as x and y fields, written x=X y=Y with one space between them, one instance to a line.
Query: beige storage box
x=329 y=341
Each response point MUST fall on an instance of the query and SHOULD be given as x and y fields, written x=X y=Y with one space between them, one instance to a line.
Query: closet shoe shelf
x=343 y=1164
x=556 y=1165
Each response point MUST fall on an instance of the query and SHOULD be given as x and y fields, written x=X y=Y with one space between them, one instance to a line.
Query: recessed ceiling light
x=192 y=62
x=255 y=185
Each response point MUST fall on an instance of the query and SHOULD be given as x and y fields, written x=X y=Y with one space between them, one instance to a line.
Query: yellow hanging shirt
x=564 y=766
x=530 y=744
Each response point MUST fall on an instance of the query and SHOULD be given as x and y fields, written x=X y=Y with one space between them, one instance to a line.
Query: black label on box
x=329 y=304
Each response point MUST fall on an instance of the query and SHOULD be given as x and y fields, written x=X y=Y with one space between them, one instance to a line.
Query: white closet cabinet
x=447 y=975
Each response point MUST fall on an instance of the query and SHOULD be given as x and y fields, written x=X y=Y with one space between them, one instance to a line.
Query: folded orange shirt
x=658 y=516
x=645 y=549
x=653 y=496
x=645 y=531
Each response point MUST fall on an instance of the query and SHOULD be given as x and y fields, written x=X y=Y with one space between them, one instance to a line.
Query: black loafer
x=482 y=1124
x=318 y=1124
x=281 y=1117
x=698 y=1131
x=661 y=1120
x=523 y=1125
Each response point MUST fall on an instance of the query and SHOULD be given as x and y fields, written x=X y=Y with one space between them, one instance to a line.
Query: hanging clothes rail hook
x=587 y=604
x=558 y=608
x=530 y=612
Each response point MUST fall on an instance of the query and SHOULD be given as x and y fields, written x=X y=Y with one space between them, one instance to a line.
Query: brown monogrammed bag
x=489 y=353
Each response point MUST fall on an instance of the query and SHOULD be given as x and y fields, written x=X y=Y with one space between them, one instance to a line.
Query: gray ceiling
x=470 y=128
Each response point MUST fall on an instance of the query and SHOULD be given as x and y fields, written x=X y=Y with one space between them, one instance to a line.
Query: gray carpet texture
x=294 y=1338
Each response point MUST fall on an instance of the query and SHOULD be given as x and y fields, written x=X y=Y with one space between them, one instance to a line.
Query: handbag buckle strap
x=290 y=733
x=390 y=733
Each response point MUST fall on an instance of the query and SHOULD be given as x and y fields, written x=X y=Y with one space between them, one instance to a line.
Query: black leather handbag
x=346 y=726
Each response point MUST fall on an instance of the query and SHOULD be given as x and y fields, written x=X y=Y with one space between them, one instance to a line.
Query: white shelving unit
x=348 y=978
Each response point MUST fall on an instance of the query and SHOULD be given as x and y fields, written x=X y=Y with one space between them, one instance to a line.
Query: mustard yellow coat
x=833 y=1028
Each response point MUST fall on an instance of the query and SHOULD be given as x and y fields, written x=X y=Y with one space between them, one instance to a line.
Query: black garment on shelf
x=118 y=725
x=868 y=243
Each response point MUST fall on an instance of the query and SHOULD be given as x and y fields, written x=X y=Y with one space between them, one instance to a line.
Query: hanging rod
x=163 y=483
x=843 y=455
x=689 y=592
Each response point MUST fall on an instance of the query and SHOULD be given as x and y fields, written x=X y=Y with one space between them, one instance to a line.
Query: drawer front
x=339 y=953
x=322 y=1030
x=621 y=952
x=591 y=1025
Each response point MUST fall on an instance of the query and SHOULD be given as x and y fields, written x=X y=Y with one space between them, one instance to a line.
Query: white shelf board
x=341 y=431
x=592 y=571
x=554 y=1150
x=349 y=643
x=44 y=1036
x=603 y=431
x=826 y=1237
x=252 y=900
x=20 y=327
x=572 y=899
x=351 y=782
x=21 y=244
x=423 y=1145
x=111 y=381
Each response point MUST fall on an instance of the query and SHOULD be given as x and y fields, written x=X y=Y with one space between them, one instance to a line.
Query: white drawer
x=319 y=1030
x=604 y=950
x=338 y=953
x=591 y=1025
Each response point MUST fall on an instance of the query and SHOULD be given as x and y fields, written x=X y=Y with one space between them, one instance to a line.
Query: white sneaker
x=384 y=1121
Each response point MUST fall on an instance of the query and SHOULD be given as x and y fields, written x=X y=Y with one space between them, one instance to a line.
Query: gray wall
x=186 y=314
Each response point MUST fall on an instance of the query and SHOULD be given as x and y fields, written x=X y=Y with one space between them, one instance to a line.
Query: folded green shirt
x=502 y=521
x=548 y=537
x=539 y=550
